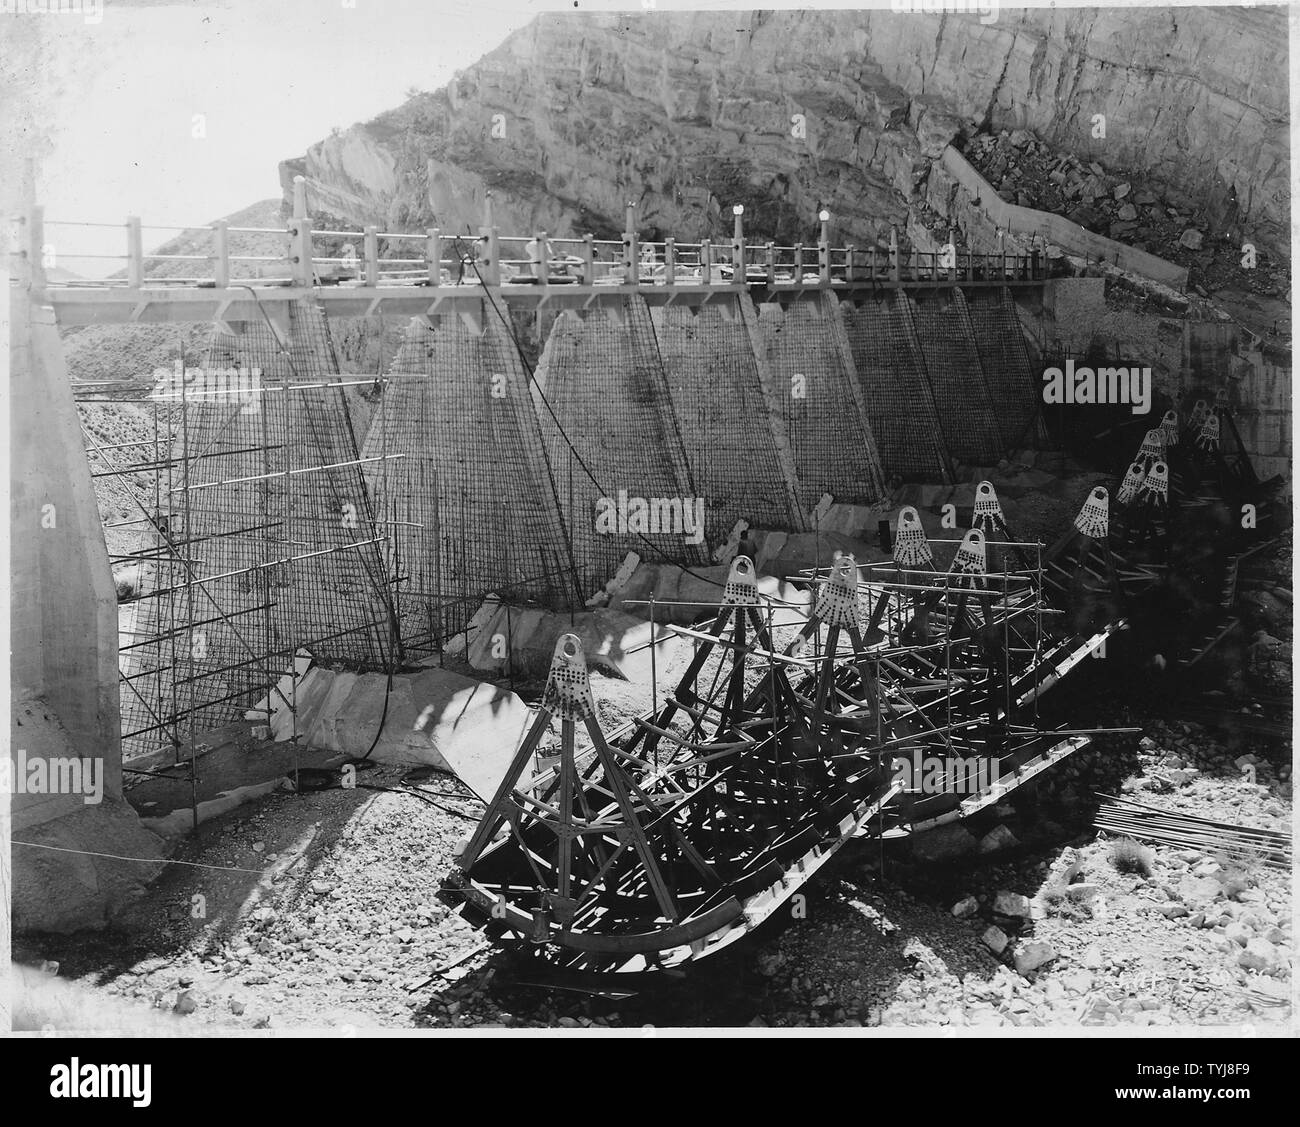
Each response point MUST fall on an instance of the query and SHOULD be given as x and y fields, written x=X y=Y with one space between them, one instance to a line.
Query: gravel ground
x=339 y=926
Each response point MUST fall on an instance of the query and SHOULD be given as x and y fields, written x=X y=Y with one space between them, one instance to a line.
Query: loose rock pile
x=1163 y=221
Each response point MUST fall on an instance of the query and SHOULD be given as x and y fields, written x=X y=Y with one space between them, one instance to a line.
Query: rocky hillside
x=1166 y=222
x=787 y=112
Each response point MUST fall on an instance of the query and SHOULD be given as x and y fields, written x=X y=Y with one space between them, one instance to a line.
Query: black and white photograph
x=598 y=519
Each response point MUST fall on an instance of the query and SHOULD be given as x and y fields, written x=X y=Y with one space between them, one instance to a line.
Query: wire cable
x=541 y=394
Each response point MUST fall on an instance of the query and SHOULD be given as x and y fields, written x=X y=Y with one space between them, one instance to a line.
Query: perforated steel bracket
x=1156 y=483
x=1128 y=488
x=742 y=584
x=1208 y=436
x=1094 y=518
x=568 y=688
x=911 y=548
x=987 y=508
x=1169 y=424
x=838 y=603
x=1153 y=446
x=971 y=557
x=1199 y=410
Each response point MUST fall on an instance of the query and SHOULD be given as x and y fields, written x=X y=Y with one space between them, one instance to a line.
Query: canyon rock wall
x=685 y=114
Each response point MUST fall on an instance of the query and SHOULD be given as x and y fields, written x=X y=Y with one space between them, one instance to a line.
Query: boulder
x=1033 y=954
x=1077 y=982
x=995 y=939
x=1012 y=904
x=69 y=887
x=1237 y=933
x=943 y=844
x=999 y=837
x=1259 y=955
x=1083 y=891
x=1199 y=890
x=1191 y=239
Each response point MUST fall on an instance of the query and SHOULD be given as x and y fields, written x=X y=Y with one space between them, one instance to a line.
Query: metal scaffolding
x=253 y=538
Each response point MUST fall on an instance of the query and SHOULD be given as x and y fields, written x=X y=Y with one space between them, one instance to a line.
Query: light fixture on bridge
x=824 y=215
x=738 y=238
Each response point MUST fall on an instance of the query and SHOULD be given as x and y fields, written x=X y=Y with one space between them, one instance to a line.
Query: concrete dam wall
x=468 y=500
x=359 y=519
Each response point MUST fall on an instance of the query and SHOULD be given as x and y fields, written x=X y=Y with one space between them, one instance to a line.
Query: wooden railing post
x=738 y=244
x=798 y=264
x=589 y=260
x=300 y=254
x=824 y=249
x=894 y=272
x=433 y=254
x=849 y=252
x=771 y=263
x=670 y=261
x=491 y=269
x=542 y=264
x=706 y=262
x=221 y=254
x=134 y=253
x=631 y=263
x=372 y=255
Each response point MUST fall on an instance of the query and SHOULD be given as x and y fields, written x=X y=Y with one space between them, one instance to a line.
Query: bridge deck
x=528 y=273
x=97 y=305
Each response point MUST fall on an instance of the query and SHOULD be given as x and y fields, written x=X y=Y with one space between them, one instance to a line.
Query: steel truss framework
x=677 y=835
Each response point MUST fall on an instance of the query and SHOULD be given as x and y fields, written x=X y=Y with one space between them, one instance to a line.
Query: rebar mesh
x=267 y=543
x=603 y=379
x=717 y=398
x=1000 y=342
x=966 y=412
x=904 y=419
x=470 y=506
x=833 y=449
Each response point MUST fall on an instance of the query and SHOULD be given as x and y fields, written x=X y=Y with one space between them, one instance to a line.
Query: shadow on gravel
x=212 y=898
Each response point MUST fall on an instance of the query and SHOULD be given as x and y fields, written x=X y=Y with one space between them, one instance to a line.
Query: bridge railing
x=137 y=267
x=371 y=257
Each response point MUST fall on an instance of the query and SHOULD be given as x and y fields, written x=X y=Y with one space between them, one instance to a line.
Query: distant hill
x=117 y=352
x=270 y=242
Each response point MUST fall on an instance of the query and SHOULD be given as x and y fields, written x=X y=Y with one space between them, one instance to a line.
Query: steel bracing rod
x=684 y=686
x=502 y=801
x=193 y=582
x=824 y=677
x=565 y=831
x=998 y=524
x=732 y=705
x=614 y=776
x=667 y=817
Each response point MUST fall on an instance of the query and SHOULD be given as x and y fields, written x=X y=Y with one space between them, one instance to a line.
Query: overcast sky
x=119 y=97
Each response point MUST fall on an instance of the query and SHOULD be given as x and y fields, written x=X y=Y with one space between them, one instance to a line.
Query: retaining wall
x=957 y=190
